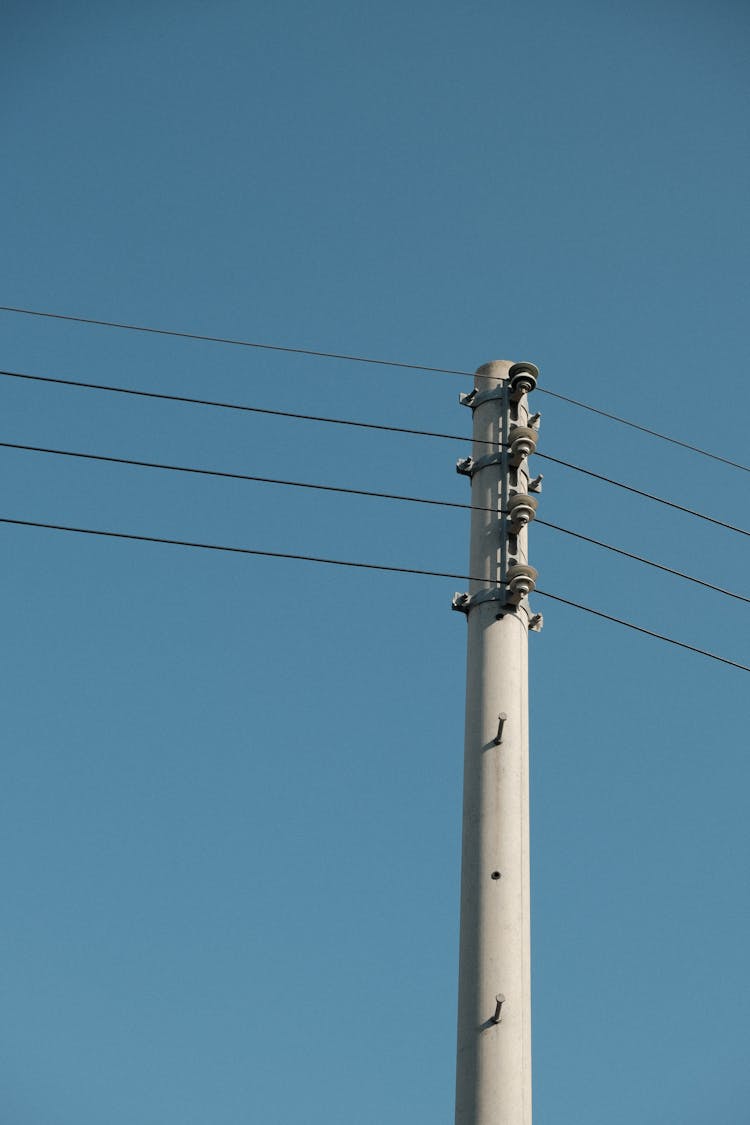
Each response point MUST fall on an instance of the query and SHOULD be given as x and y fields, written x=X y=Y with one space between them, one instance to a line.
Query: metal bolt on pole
x=493 y=1070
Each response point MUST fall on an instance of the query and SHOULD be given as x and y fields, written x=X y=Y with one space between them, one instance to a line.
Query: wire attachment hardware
x=521 y=581
x=522 y=441
x=522 y=379
x=467 y=466
x=521 y=510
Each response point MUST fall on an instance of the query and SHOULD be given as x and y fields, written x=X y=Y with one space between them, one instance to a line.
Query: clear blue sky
x=230 y=788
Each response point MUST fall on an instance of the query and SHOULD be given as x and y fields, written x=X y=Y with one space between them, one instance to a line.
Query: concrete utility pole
x=493 y=1071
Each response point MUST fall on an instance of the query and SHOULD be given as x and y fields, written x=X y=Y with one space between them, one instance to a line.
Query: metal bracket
x=484 y=462
x=535 y=485
x=467 y=466
x=501 y=721
x=499 y=1001
x=464 y=602
x=475 y=398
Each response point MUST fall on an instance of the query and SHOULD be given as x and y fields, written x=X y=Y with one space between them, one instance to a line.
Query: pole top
x=493 y=372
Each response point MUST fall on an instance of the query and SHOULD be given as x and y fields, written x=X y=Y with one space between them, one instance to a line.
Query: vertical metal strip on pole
x=493 y=1071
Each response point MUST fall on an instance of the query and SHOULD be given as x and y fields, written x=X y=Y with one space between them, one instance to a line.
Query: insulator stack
x=506 y=491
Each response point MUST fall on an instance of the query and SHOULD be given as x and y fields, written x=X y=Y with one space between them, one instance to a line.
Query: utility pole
x=493 y=1070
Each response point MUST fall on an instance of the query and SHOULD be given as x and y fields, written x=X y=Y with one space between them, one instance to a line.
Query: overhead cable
x=369 y=360
x=640 y=559
x=233 y=476
x=234 y=342
x=643 y=429
x=361 y=425
x=221 y=405
x=644 y=495
x=121 y=535
x=224 y=474
x=638 y=628
x=233 y=550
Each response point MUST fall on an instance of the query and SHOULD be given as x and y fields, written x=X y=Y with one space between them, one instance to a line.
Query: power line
x=235 y=342
x=222 y=405
x=645 y=495
x=367 y=426
x=236 y=476
x=644 y=429
x=641 y=559
x=639 y=629
x=369 y=360
x=121 y=535
x=234 y=550
x=224 y=474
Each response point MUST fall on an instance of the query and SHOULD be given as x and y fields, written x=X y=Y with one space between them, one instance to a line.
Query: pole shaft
x=493 y=1072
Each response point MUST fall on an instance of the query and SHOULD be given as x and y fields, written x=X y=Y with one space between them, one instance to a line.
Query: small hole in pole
x=495 y=875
